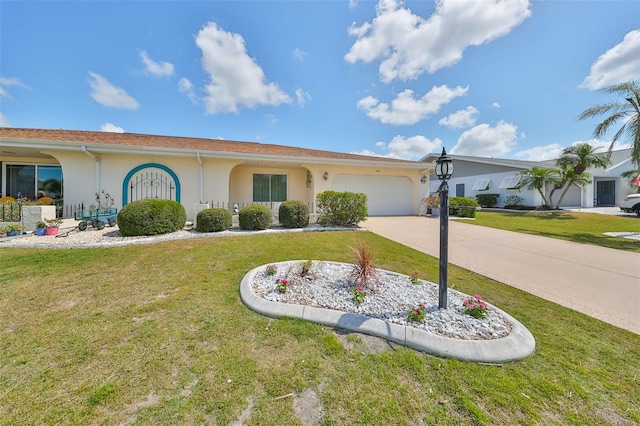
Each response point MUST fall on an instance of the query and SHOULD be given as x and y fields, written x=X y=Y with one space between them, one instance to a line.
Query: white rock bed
x=327 y=286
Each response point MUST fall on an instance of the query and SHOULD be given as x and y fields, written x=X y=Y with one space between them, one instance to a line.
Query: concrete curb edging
x=519 y=344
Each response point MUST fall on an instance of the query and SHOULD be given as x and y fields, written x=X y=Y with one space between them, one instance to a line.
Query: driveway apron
x=601 y=282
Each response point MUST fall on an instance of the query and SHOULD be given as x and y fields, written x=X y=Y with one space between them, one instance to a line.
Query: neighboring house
x=481 y=175
x=77 y=164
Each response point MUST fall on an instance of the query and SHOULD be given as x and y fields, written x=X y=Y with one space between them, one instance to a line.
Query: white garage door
x=386 y=195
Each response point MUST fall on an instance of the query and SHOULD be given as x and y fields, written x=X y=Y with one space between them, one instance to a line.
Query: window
x=481 y=185
x=25 y=180
x=509 y=182
x=460 y=190
x=269 y=188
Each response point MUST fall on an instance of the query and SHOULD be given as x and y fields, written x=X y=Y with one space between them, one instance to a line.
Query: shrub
x=293 y=214
x=213 y=220
x=512 y=201
x=341 y=208
x=487 y=200
x=255 y=217
x=363 y=272
x=151 y=216
x=462 y=206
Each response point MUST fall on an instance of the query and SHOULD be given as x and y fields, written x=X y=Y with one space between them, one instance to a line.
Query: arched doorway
x=150 y=180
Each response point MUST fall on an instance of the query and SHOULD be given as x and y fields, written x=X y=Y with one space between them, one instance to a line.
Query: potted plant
x=53 y=225
x=433 y=204
x=13 y=230
x=41 y=228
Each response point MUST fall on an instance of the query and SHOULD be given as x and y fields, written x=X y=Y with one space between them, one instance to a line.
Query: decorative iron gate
x=150 y=181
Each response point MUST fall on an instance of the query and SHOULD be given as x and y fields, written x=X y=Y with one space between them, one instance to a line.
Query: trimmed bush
x=463 y=206
x=213 y=220
x=293 y=214
x=255 y=217
x=151 y=216
x=341 y=208
x=487 y=200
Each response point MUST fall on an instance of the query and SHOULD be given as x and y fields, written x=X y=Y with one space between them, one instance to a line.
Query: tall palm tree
x=538 y=178
x=627 y=111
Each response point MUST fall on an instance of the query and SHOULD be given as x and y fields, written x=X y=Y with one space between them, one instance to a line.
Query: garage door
x=386 y=195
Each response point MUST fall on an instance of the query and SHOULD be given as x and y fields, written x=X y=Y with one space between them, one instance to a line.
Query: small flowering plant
x=282 y=285
x=476 y=307
x=271 y=270
x=417 y=314
x=414 y=277
x=358 y=294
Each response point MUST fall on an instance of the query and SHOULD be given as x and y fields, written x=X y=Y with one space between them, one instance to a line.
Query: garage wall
x=386 y=195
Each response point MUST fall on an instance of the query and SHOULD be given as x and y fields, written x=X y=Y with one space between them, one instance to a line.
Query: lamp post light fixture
x=444 y=170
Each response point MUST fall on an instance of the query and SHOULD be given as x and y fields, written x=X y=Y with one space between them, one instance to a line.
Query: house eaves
x=127 y=143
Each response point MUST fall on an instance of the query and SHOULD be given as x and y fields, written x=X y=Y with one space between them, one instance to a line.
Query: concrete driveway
x=600 y=282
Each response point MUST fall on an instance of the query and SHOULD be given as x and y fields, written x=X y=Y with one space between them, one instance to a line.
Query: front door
x=606 y=193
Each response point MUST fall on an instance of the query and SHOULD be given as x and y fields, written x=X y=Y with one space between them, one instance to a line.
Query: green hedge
x=341 y=208
x=255 y=217
x=213 y=220
x=487 y=200
x=462 y=206
x=151 y=216
x=293 y=214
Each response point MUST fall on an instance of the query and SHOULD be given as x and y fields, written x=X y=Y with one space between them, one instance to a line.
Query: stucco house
x=481 y=175
x=74 y=165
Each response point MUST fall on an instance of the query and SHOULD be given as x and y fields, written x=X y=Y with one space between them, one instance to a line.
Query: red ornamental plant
x=417 y=314
x=364 y=273
x=476 y=307
x=282 y=285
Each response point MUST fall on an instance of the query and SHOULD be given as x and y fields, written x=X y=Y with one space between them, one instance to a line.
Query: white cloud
x=460 y=119
x=109 y=127
x=302 y=97
x=9 y=82
x=406 y=148
x=405 y=109
x=408 y=45
x=495 y=105
x=617 y=65
x=163 y=69
x=298 y=54
x=486 y=141
x=109 y=95
x=4 y=121
x=185 y=86
x=235 y=79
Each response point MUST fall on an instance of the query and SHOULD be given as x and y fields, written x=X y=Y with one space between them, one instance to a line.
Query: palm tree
x=574 y=161
x=538 y=178
x=628 y=112
x=569 y=178
x=631 y=175
x=580 y=157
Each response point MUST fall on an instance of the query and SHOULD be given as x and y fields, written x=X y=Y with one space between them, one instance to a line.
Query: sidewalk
x=600 y=282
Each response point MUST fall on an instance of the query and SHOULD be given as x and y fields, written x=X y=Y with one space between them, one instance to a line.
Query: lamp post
x=444 y=170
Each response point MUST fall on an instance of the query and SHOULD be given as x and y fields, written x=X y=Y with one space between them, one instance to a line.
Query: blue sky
x=401 y=79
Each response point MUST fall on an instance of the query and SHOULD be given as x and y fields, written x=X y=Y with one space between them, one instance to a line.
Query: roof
x=115 y=142
x=617 y=157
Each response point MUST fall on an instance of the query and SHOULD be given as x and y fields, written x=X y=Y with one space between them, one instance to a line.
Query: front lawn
x=157 y=334
x=586 y=228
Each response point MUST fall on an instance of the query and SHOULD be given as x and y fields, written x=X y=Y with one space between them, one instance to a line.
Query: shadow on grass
x=602 y=241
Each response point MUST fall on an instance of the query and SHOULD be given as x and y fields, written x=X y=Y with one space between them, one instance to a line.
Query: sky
x=401 y=79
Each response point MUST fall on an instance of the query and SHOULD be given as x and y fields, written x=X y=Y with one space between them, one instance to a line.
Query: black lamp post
x=444 y=170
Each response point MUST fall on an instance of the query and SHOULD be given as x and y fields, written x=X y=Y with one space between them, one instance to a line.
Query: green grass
x=157 y=334
x=586 y=228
